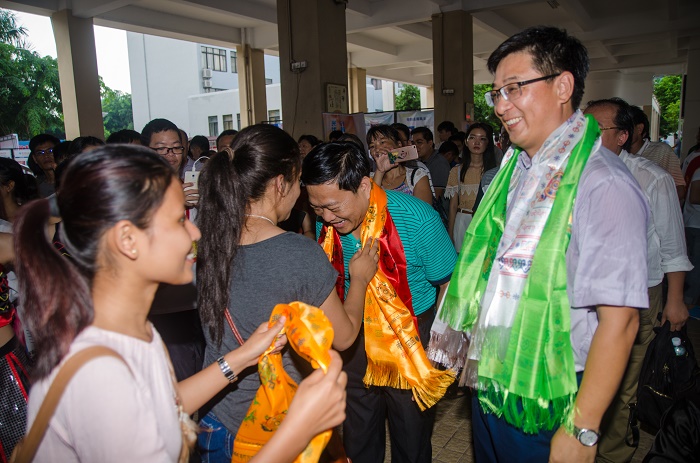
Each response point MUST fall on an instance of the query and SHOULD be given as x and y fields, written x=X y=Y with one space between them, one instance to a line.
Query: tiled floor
x=452 y=436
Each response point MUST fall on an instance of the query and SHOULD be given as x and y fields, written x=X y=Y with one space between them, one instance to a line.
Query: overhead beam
x=242 y=8
x=92 y=8
x=473 y=6
x=137 y=19
x=360 y=7
x=494 y=23
x=578 y=13
x=372 y=44
x=39 y=7
x=421 y=30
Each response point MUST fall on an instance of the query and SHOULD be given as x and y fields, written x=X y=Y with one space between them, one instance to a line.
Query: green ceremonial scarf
x=534 y=387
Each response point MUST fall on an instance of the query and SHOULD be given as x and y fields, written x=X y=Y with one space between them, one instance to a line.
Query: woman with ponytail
x=124 y=226
x=246 y=265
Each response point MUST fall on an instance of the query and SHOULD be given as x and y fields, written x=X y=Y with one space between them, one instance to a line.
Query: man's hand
x=675 y=312
x=567 y=449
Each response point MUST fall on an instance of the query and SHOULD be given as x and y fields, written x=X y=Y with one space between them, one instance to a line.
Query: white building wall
x=202 y=106
x=635 y=88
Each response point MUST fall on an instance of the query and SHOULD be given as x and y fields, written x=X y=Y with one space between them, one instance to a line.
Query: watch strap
x=226 y=370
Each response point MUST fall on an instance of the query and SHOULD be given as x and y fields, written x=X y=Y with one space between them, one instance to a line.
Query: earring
x=134 y=252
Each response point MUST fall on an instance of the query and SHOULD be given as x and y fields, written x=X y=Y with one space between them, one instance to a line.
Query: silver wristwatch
x=587 y=437
x=226 y=370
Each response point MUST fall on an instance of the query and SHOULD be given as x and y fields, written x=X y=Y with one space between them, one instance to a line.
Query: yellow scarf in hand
x=310 y=334
x=395 y=355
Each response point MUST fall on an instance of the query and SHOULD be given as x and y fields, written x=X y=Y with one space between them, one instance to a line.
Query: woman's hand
x=363 y=265
x=191 y=194
x=260 y=340
x=381 y=158
x=319 y=403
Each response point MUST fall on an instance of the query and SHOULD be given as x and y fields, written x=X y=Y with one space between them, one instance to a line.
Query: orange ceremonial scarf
x=395 y=355
x=310 y=333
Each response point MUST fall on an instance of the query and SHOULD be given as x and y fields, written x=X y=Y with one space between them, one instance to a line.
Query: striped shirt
x=663 y=156
x=430 y=255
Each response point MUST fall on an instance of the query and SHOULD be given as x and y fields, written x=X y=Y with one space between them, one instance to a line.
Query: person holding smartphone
x=413 y=179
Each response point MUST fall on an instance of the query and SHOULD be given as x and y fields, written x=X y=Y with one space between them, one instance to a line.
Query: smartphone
x=405 y=153
x=192 y=177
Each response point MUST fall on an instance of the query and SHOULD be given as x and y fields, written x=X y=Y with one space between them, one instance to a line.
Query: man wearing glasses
x=553 y=268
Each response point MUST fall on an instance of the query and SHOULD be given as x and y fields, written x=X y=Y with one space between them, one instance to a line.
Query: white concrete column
x=311 y=34
x=251 y=85
x=388 y=95
x=453 y=66
x=691 y=98
x=77 y=71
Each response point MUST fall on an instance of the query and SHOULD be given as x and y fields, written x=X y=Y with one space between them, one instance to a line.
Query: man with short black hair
x=552 y=272
x=389 y=375
x=666 y=255
x=438 y=166
x=225 y=139
x=445 y=130
x=404 y=133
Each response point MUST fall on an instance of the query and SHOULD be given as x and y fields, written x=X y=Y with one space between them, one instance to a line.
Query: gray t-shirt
x=285 y=268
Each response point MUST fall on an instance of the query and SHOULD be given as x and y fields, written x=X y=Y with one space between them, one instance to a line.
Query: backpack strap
x=31 y=442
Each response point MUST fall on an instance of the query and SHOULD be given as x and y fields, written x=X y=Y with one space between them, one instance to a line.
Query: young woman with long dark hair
x=464 y=181
x=124 y=226
x=246 y=265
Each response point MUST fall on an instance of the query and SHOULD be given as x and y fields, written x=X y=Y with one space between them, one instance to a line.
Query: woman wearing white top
x=124 y=224
x=465 y=179
x=414 y=181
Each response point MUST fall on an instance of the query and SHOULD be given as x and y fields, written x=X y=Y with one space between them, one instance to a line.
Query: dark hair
x=640 y=117
x=313 y=141
x=343 y=163
x=623 y=116
x=351 y=138
x=334 y=135
x=552 y=50
x=201 y=142
x=61 y=152
x=125 y=136
x=461 y=136
x=385 y=131
x=226 y=133
x=448 y=147
x=101 y=187
x=78 y=145
x=426 y=132
x=402 y=128
x=25 y=188
x=228 y=184
x=33 y=143
x=447 y=126
x=157 y=126
x=489 y=154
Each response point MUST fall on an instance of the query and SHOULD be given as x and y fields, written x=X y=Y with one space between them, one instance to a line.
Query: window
x=268 y=81
x=376 y=83
x=228 y=121
x=213 y=126
x=234 y=64
x=214 y=58
x=274 y=115
x=238 y=119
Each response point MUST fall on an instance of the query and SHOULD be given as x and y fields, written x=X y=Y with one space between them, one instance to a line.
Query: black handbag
x=665 y=376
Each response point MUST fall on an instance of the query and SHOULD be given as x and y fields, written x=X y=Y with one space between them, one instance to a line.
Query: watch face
x=588 y=438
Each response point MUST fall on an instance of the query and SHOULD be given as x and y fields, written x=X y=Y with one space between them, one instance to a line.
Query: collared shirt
x=439 y=168
x=607 y=254
x=666 y=249
x=691 y=212
x=663 y=156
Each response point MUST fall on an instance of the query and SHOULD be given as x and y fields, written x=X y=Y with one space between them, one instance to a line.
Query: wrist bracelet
x=226 y=370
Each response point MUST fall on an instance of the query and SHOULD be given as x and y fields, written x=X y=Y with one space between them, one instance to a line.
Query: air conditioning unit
x=206 y=84
x=206 y=73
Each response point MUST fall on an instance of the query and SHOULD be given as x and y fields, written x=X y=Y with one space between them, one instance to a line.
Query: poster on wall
x=346 y=123
x=386 y=118
x=415 y=119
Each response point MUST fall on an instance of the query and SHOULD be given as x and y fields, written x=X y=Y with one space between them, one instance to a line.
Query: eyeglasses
x=511 y=91
x=603 y=129
x=164 y=150
x=43 y=152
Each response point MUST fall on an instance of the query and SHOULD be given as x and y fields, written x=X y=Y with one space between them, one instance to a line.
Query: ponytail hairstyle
x=489 y=154
x=99 y=188
x=25 y=188
x=229 y=182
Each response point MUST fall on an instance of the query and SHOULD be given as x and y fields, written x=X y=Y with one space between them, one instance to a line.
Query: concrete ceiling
x=392 y=38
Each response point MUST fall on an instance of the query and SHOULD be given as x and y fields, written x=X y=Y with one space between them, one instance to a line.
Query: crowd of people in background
x=98 y=244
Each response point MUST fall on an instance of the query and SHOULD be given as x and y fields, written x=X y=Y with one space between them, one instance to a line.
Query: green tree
x=10 y=31
x=667 y=90
x=482 y=111
x=117 y=112
x=408 y=98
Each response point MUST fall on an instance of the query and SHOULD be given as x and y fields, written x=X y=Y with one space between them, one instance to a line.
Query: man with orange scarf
x=389 y=374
